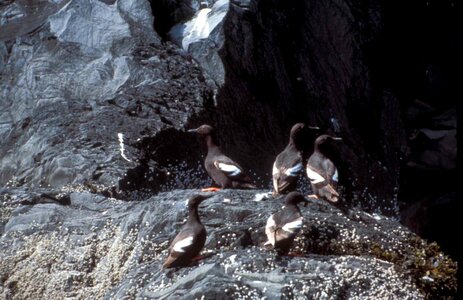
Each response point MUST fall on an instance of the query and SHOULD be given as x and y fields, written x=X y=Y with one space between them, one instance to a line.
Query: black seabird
x=282 y=227
x=225 y=172
x=322 y=172
x=290 y=162
x=190 y=240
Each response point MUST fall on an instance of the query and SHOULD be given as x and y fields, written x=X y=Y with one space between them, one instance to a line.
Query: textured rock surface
x=84 y=74
x=202 y=36
x=97 y=247
x=92 y=100
x=311 y=62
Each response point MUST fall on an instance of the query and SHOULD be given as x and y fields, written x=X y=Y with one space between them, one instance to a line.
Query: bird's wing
x=275 y=177
x=232 y=170
x=293 y=170
x=315 y=176
x=293 y=226
x=285 y=174
x=182 y=241
x=228 y=167
x=330 y=171
x=181 y=245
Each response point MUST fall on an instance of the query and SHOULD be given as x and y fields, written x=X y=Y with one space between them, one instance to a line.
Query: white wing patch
x=275 y=169
x=180 y=245
x=292 y=226
x=294 y=170
x=270 y=230
x=275 y=177
x=314 y=176
x=335 y=175
x=231 y=169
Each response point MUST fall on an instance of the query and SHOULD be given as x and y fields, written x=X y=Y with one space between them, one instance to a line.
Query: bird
x=283 y=226
x=322 y=172
x=223 y=170
x=189 y=242
x=290 y=162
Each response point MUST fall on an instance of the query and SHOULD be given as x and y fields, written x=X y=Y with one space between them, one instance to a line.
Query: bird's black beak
x=192 y=130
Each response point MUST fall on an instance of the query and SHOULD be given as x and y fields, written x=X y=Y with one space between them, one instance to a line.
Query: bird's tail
x=331 y=194
x=246 y=185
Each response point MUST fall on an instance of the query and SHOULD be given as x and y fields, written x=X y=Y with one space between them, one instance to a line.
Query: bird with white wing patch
x=283 y=226
x=225 y=172
x=189 y=242
x=322 y=172
x=290 y=162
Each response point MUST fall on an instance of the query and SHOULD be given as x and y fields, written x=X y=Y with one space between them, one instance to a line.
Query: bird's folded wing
x=228 y=168
x=181 y=245
x=293 y=226
x=314 y=176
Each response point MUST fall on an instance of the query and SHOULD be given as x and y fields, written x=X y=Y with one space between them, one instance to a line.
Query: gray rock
x=80 y=78
x=202 y=36
x=98 y=247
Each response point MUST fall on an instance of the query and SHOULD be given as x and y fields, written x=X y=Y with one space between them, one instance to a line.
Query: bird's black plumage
x=283 y=226
x=224 y=171
x=290 y=162
x=189 y=242
x=322 y=172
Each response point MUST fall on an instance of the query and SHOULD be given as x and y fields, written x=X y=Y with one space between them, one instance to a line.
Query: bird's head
x=203 y=130
x=325 y=138
x=196 y=200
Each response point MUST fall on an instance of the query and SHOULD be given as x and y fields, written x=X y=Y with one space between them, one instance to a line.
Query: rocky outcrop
x=310 y=62
x=98 y=247
x=202 y=36
x=93 y=103
x=80 y=82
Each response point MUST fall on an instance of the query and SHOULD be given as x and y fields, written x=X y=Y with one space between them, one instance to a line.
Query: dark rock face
x=422 y=71
x=79 y=83
x=93 y=103
x=287 y=63
x=97 y=247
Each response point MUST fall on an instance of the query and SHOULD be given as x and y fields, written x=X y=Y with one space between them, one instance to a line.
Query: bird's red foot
x=211 y=189
x=197 y=258
x=201 y=257
x=313 y=196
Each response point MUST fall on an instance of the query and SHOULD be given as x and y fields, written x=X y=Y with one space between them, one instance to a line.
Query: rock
x=311 y=63
x=202 y=37
x=93 y=107
x=435 y=147
x=447 y=119
x=100 y=247
x=81 y=82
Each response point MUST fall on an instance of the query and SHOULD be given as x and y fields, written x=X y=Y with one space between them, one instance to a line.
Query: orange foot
x=197 y=258
x=201 y=257
x=211 y=189
x=313 y=196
